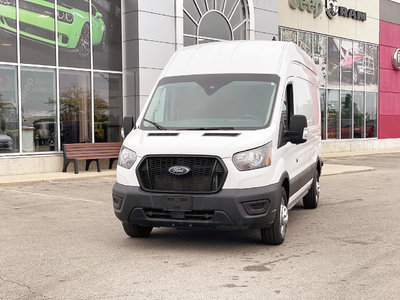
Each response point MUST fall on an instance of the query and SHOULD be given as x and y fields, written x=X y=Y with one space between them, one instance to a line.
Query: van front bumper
x=233 y=208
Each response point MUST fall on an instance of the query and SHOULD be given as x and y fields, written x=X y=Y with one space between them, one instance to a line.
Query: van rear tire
x=136 y=230
x=275 y=234
x=311 y=200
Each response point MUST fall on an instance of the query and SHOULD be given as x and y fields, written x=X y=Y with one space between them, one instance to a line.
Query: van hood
x=220 y=143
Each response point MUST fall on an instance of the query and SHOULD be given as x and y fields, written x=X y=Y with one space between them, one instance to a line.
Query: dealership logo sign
x=332 y=9
x=396 y=59
x=312 y=6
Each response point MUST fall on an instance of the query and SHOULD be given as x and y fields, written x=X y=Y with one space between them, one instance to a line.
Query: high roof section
x=252 y=57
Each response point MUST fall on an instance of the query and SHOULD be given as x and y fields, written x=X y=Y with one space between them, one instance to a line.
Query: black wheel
x=275 y=234
x=135 y=230
x=83 y=46
x=310 y=201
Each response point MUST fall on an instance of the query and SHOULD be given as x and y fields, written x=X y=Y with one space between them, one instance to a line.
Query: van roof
x=230 y=57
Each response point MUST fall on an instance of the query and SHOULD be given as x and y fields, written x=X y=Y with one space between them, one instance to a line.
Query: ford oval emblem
x=179 y=170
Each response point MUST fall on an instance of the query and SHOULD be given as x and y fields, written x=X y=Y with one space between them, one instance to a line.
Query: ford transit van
x=230 y=137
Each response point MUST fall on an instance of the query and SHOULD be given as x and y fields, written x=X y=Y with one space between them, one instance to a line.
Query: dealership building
x=71 y=69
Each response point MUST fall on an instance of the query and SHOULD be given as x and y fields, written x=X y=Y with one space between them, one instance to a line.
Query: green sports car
x=37 y=22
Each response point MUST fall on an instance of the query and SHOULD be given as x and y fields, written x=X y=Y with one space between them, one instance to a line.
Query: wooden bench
x=90 y=152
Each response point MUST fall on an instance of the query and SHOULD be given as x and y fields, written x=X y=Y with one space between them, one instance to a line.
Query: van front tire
x=311 y=200
x=275 y=234
x=135 y=230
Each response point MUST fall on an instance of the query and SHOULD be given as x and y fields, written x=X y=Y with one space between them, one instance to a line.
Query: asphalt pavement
x=59 y=239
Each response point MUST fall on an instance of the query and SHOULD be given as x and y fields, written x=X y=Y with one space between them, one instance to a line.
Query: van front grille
x=207 y=174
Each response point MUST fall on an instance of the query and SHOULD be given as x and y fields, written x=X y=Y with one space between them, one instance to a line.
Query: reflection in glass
x=333 y=114
x=323 y=113
x=37 y=32
x=371 y=63
x=346 y=64
x=289 y=35
x=75 y=107
x=359 y=59
x=346 y=115
x=74 y=33
x=305 y=42
x=107 y=107
x=38 y=106
x=333 y=62
x=8 y=38
x=320 y=45
x=106 y=35
x=371 y=112
x=358 y=115
x=9 y=138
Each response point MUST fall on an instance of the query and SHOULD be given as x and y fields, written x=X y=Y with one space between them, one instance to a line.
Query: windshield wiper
x=158 y=126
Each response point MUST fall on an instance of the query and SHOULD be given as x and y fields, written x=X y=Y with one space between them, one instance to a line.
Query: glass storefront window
x=333 y=114
x=37 y=32
x=371 y=113
x=358 y=115
x=333 y=62
x=8 y=28
x=107 y=107
x=371 y=66
x=106 y=35
x=323 y=113
x=360 y=70
x=39 y=110
x=9 y=122
x=305 y=42
x=346 y=114
x=320 y=57
x=346 y=64
x=289 y=35
x=214 y=20
x=74 y=33
x=348 y=80
x=75 y=107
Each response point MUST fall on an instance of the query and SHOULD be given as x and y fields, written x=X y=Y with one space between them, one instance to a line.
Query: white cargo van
x=229 y=138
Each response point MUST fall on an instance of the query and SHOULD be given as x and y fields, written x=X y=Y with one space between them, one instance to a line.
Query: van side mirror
x=296 y=129
x=127 y=126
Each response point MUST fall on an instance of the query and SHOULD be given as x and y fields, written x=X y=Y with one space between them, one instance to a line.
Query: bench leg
x=65 y=165
x=98 y=165
x=88 y=161
x=111 y=162
x=76 y=167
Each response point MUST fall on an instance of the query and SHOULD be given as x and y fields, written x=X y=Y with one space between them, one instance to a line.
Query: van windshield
x=212 y=102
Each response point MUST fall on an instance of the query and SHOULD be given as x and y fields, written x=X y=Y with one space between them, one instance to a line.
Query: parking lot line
x=53 y=196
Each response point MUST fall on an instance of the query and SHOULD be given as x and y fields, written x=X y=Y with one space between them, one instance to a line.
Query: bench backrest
x=92 y=150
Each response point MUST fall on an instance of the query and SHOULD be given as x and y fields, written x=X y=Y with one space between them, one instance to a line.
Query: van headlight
x=254 y=158
x=126 y=158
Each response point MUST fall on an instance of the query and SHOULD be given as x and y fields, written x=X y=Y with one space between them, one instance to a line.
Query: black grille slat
x=188 y=215
x=207 y=174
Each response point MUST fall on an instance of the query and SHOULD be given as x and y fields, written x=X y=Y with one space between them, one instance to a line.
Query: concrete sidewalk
x=359 y=153
x=56 y=176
